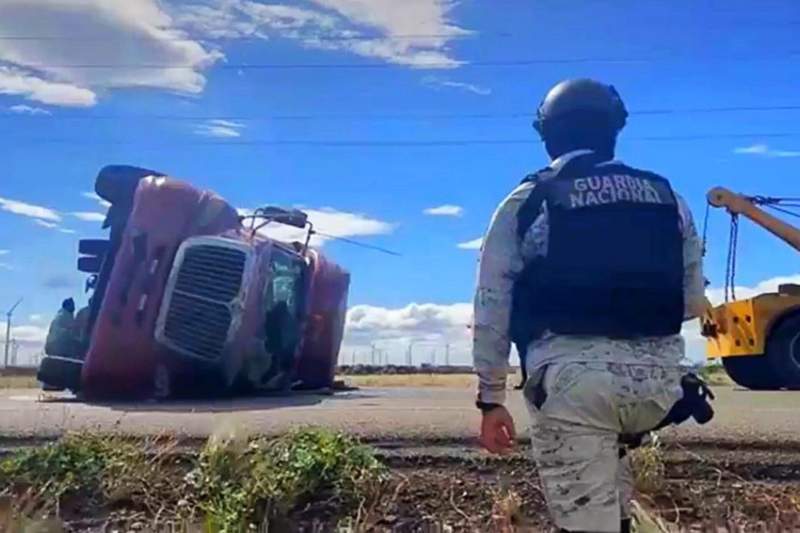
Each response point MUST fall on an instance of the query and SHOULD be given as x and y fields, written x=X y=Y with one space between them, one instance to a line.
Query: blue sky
x=213 y=102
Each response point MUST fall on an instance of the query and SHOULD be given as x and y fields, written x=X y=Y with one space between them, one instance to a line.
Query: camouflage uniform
x=595 y=387
x=62 y=338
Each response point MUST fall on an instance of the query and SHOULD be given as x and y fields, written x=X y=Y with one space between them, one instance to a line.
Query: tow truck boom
x=742 y=205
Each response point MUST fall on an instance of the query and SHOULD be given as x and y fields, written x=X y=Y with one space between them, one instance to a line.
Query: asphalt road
x=376 y=414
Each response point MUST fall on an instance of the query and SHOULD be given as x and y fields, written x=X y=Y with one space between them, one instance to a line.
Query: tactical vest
x=614 y=262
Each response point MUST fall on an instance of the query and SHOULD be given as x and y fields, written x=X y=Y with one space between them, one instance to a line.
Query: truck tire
x=783 y=350
x=59 y=373
x=752 y=372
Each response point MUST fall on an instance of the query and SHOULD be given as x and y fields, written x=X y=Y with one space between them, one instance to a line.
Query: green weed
x=253 y=484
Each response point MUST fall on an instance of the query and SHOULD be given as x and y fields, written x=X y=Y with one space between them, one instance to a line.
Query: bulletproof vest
x=614 y=261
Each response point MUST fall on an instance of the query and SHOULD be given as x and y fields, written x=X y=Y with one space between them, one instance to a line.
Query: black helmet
x=68 y=305
x=571 y=96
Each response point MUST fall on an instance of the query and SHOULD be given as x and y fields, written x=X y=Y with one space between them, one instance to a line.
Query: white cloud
x=23 y=109
x=426 y=327
x=52 y=225
x=764 y=150
x=6 y=266
x=331 y=222
x=230 y=19
x=119 y=35
x=29 y=210
x=45 y=224
x=446 y=210
x=220 y=128
x=4 y=252
x=36 y=317
x=89 y=216
x=717 y=295
x=94 y=196
x=474 y=244
x=17 y=82
x=29 y=333
x=437 y=82
x=413 y=32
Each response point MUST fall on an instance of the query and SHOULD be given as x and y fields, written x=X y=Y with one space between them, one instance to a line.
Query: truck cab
x=191 y=300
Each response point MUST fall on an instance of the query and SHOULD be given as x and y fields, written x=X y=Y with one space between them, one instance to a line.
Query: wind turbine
x=9 y=314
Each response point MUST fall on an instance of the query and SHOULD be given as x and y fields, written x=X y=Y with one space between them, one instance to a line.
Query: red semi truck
x=189 y=298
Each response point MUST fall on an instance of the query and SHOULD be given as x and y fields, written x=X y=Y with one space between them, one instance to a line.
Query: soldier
x=602 y=263
x=62 y=338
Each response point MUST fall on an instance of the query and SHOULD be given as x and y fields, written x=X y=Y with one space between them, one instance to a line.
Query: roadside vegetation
x=714 y=374
x=18 y=378
x=315 y=480
x=233 y=484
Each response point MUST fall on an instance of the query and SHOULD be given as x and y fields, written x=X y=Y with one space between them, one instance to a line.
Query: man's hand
x=497 y=430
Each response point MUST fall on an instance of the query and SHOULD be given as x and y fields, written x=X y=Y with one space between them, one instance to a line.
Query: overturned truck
x=189 y=298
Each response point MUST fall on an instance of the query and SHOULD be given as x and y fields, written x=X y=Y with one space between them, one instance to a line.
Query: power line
x=789 y=55
x=311 y=143
x=390 y=116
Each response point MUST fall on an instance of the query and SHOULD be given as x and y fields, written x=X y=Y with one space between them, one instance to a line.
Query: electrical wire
x=357 y=243
x=375 y=144
x=378 y=117
x=788 y=55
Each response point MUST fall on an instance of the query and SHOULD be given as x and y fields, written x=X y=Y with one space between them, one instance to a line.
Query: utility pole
x=447 y=354
x=9 y=314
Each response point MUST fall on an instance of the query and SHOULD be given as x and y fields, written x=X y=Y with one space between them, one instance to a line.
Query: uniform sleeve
x=693 y=278
x=500 y=260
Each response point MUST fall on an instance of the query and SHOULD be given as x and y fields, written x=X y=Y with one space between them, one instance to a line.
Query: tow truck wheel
x=752 y=372
x=783 y=350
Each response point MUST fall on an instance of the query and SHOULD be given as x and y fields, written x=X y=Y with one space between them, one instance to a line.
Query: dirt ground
x=454 y=487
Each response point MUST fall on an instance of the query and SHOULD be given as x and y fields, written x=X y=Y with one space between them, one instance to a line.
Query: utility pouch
x=694 y=403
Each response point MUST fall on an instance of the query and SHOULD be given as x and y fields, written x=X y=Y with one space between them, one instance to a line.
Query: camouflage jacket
x=503 y=256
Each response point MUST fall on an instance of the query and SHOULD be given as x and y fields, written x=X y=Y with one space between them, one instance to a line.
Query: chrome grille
x=198 y=319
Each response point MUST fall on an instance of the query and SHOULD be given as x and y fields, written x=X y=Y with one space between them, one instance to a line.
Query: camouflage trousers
x=578 y=410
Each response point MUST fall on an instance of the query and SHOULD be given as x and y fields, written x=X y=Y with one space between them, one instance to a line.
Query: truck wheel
x=783 y=350
x=752 y=372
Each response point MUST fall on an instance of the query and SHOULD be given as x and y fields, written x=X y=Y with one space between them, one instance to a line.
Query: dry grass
x=18 y=382
x=714 y=374
x=455 y=381
x=451 y=381
x=232 y=485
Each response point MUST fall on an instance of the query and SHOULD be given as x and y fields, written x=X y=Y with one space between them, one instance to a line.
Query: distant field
x=18 y=378
x=18 y=382
x=412 y=380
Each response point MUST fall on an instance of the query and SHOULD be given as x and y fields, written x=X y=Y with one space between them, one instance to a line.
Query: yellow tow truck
x=758 y=338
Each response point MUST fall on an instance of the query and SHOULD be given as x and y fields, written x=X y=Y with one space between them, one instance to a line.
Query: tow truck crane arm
x=737 y=204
